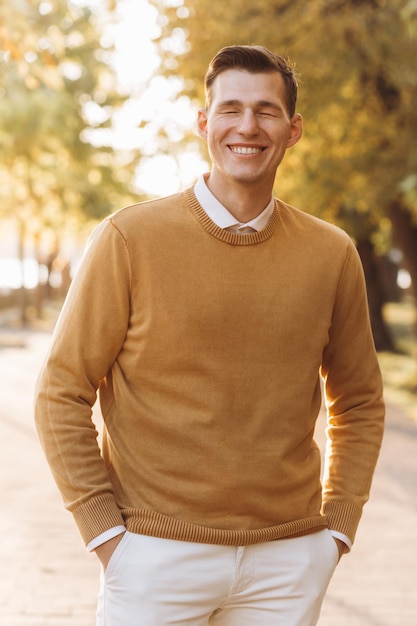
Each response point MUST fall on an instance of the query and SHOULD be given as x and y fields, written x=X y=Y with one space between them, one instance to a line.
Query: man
x=206 y=320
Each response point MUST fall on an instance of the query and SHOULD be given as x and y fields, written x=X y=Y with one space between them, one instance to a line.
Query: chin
x=247 y=179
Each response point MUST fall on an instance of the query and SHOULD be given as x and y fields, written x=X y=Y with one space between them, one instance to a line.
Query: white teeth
x=244 y=150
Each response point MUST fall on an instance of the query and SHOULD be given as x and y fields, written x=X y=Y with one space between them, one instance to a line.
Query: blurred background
x=98 y=101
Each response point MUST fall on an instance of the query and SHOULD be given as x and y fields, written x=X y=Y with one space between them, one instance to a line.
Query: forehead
x=236 y=84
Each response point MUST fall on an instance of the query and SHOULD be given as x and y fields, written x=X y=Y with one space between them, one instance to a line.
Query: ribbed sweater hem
x=156 y=524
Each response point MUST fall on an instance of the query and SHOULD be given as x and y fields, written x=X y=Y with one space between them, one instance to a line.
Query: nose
x=248 y=123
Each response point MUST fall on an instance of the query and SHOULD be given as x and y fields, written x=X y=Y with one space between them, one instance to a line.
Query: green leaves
x=54 y=64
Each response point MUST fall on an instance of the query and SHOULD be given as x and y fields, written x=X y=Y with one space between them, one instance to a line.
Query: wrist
x=106 y=549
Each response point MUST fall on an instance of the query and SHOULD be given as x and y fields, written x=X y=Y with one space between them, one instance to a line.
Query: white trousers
x=155 y=582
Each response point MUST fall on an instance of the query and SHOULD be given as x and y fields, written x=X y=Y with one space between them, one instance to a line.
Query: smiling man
x=209 y=321
x=248 y=126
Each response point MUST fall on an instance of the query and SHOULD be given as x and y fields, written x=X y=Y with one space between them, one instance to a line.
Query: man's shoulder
x=148 y=211
x=310 y=224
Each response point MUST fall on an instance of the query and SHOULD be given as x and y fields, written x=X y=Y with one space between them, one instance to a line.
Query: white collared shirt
x=222 y=217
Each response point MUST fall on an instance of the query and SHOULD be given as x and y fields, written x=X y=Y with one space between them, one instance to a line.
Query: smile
x=246 y=150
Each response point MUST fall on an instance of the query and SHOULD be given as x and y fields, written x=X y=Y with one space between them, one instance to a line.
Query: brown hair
x=253 y=59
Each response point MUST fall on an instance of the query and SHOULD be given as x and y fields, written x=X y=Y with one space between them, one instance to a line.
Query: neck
x=243 y=202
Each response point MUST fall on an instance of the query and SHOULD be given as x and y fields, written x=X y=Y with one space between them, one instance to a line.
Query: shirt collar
x=221 y=216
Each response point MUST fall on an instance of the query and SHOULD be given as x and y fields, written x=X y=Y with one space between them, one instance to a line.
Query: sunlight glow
x=14 y=274
x=403 y=279
x=153 y=102
x=136 y=57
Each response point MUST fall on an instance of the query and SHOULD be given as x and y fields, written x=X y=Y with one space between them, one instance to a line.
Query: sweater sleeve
x=88 y=337
x=355 y=408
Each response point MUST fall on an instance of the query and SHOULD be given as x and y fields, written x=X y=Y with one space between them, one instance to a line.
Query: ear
x=296 y=130
x=202 y=123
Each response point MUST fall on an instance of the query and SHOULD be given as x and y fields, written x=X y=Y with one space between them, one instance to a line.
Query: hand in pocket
x=105 y=551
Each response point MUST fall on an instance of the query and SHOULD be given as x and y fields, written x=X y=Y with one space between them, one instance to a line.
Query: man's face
x=247 y=127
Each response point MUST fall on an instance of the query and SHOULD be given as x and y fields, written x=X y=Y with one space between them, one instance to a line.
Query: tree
x=57 y=88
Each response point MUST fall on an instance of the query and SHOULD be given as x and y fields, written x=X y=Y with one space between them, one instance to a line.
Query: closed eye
x=269 y=113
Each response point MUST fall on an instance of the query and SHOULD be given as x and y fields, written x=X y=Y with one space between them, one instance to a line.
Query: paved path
x=47 y=578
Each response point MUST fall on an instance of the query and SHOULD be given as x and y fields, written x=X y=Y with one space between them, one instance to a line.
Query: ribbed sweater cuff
x=342 y=516
x=96 y=516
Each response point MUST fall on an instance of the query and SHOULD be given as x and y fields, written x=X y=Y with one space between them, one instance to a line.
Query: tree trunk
x=376 y=297
x=404 y=234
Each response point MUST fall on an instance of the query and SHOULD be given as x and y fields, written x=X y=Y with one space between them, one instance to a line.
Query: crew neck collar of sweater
x=232 y=238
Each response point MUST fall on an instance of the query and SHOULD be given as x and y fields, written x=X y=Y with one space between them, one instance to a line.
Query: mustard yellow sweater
x=207 y=349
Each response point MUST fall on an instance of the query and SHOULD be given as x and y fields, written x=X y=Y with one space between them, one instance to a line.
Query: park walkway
x=48 y=579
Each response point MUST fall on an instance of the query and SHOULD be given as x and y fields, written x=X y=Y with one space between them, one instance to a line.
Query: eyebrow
x=259 y=103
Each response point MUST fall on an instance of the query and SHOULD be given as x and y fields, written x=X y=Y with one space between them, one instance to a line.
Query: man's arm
x=355 y=407
x=88 y=337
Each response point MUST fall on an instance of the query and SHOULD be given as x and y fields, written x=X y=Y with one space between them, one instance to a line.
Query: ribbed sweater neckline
x=231 y=238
